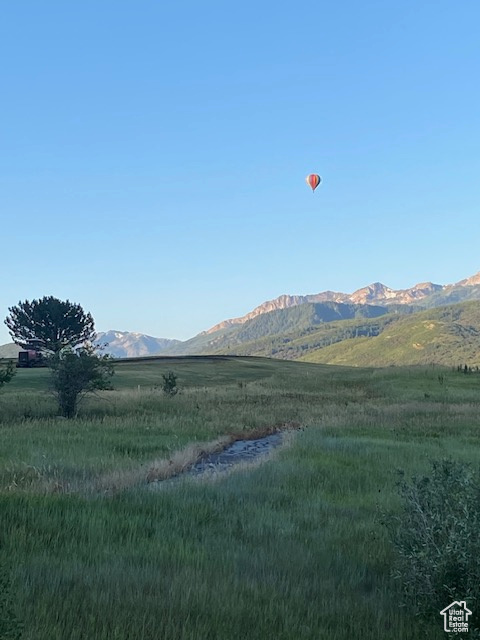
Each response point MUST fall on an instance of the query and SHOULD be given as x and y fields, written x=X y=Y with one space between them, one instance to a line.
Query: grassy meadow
x=293 y=548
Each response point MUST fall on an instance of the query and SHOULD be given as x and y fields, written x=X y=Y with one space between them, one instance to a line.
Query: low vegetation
x=295 y=548
x=436 y=538
x=76 y=373
x=6 y=373
x=169 y=385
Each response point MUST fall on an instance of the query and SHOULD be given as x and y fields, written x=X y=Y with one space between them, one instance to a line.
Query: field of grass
x=293 y=548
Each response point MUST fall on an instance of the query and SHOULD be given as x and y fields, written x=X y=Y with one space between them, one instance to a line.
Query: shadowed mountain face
x=259 y=331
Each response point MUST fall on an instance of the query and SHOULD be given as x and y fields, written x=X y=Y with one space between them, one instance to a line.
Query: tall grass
x=292 y=548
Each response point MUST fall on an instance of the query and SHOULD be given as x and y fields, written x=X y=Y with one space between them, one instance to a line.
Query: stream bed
x=221 y=461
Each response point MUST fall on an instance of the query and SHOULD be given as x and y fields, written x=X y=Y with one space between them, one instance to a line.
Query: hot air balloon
x=313 y=180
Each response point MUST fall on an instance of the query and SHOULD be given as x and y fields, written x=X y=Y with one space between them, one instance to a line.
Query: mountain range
x=126 y=344
x=294 y=327
x=424 y=294
x=335 y=327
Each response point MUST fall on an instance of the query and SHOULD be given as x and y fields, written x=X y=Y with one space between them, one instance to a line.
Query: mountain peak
x=374 y=292
x=471 y=281
x=128 y=344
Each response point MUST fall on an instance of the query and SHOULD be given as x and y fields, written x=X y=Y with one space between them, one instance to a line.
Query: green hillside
x=290 y=346
x=446 y=335
x=266 y=333
x=303 y=317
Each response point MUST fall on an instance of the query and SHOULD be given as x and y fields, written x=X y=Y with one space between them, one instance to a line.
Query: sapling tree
x=169 y=385
x=76 y=373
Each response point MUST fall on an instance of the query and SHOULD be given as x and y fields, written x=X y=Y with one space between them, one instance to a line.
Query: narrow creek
x=222 y=461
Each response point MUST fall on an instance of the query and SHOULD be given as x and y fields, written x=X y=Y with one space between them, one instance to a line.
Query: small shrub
x=76 y=373
x=436 y=539
x=7 y=373
x=169 y=385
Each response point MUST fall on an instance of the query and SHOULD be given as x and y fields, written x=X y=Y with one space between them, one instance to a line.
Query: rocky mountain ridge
x=375 y=293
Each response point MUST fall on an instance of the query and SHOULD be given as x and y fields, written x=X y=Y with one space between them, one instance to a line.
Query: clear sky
x=154 y=153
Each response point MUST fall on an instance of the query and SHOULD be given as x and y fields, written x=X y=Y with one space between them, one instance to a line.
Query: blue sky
x=154 y=154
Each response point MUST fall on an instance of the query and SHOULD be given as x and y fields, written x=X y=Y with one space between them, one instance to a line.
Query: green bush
x=7 y=373
x=169 y=385
x=437 y=539
x=76 y=373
